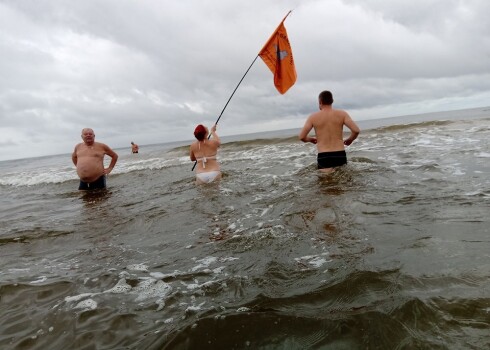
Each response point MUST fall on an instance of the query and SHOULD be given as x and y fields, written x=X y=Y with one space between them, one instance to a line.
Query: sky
x=149 y=71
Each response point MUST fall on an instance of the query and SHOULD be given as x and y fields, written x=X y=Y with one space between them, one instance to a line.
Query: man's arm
x=74 y=156
x=113 y=156
x=354 y=130
x=303 y=135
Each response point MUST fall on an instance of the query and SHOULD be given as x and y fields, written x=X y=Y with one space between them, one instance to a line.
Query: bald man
x=88 y=157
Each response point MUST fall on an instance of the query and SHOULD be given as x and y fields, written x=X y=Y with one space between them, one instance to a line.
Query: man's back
x=329 y=129
x=328 y=124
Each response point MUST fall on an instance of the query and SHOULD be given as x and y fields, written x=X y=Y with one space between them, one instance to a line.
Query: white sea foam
x=314 y=260
x=137 y=267
x=317 y=262
x=158 y=275
x=194 y=308
x=88 y=304
x=40 y=279
x=36 y=177
x=204 y=263
x=230 y=258
x=121 y=287
x=18 y=270
x=218 y=270
x=265 y=210
x=78 y=297
x=151 y=288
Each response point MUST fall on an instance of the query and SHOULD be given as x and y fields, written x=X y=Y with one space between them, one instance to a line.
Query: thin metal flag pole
x=236 y=88
x=255 y=59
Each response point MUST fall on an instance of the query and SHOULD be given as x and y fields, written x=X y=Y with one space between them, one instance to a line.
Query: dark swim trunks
x=97 y=184
x=331 y=159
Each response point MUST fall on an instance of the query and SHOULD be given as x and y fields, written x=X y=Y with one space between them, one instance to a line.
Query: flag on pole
x=278 y=56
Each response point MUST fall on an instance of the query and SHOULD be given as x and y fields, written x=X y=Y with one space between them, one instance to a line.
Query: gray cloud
x=149 y=71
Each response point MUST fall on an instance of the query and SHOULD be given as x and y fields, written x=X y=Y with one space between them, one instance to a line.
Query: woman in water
x=204 y=151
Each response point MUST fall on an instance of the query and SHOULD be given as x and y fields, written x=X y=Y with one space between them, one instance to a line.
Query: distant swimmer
x=134 y=147
x=328 y=124
x=204 y=151
x=88 y=157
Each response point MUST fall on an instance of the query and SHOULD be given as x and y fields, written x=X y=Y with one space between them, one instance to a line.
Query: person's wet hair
x=325 y=97
x=200 y=132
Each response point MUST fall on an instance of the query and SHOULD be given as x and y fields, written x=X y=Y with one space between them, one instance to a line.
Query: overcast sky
x=149 y=71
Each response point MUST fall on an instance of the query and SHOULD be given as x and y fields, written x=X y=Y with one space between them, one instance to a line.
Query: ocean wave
x=287 y=149
x=63 y=174
x=401 y=127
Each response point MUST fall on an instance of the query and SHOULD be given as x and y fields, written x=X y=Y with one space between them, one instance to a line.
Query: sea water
x=391 y=251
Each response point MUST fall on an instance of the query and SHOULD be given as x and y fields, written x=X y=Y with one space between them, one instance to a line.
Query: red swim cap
x=200 y=132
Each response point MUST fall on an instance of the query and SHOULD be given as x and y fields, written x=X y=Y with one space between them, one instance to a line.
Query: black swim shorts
x=97 y=184
x=331 y=159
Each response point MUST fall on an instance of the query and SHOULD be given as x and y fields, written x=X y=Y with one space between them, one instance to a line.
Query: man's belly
x=89 y=170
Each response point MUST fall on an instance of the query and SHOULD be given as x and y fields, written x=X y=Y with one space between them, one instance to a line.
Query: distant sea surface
x=391 y=251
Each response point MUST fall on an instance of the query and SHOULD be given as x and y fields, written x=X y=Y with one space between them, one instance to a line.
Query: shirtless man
x=328 y=124
x=88 y=157
x=134 y=147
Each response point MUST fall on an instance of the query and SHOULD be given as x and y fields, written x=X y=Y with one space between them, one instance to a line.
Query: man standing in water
x=329 y=124
x=134 y=147
x=88 y=157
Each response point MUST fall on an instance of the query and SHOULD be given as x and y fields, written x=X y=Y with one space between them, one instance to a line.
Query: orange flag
x=278 y=56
